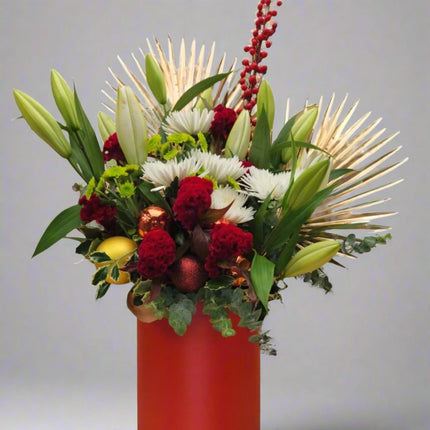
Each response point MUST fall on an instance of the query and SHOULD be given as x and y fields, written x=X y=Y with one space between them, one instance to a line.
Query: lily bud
x=64 y=99
x=311 y=258
x=302 y=129
x=312 y=180
x=155 y=79
x=205 y=100
x=131 y=126
x=238 y=139
x=42 y=123
x=106 y=126
x=265 y=100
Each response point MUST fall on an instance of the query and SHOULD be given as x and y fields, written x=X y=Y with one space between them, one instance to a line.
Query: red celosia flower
x=112 y=150
x=156 y=253
x=227 y=243
x=95 y=210
x=223 y=122
x=193 y=200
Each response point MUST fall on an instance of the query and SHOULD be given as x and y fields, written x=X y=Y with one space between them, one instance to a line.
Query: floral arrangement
x=193 y=198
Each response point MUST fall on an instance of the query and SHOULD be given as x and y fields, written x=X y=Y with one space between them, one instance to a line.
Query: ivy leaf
x=114 y=273
x=219 y=282
x=100 y=275
x=102 y=290
x=99 y=257
x=197 y=89
x=59 y=227
x=84 y=247
x=262 y=271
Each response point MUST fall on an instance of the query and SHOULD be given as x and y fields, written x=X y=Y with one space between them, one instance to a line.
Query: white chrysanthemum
x=260 y=183
x=191 y=122
x=238 y=213
x=163 y=174
x=221 y=169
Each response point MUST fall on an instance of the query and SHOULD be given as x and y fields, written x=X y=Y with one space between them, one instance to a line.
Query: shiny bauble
x=188 y=274
x=115 y=247
x=150 y=217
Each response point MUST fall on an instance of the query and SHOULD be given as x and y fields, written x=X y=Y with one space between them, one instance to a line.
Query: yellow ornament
x=116 y=247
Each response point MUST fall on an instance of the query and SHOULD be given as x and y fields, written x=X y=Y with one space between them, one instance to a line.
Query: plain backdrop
x=356 y=359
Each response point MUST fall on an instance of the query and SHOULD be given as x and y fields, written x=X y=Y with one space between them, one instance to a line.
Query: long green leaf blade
x=259 y=154
x=59 y=227
x=262 y=271
x=197 y=89
x=89 y=141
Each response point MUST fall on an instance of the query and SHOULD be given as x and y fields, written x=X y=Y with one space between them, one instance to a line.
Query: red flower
x=156 y=253
x=223 y=122
x=193 y=200
x=112 y=150
x=95 y=210
x=227 y=243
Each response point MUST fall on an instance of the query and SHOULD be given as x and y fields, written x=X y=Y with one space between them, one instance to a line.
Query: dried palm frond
x=352 y=146
x=179 y=77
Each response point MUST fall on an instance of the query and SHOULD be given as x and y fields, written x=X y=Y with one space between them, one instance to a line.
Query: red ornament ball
x=188 y=274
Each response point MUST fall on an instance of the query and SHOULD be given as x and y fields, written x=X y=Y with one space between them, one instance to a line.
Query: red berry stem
x=253 y=71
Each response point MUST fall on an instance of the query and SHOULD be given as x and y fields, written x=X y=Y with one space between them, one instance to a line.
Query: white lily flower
x=237 y=213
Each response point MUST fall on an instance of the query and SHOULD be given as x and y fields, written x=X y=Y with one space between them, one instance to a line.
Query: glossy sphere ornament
x=116 y=247
x=150 y=217
x=188 y=274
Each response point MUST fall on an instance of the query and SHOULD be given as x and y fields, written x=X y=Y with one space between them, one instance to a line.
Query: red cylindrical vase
x=198 y=381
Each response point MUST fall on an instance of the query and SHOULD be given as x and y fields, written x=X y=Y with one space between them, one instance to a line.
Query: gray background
x=355 y=359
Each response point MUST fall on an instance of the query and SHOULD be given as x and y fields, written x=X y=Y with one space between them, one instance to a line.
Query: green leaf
x=289 y=223
x=102 y=290
x=89 y=141
x=337 y=173
x=84 y=247
x=78 y=159
x=259 y=154
x=257 y=225
x=197 y=89
x=262 y=271
x=59 y=227
x=219 y=282
x=99 y=257
x=114 y=273
x=100 y=275
x=153 y=197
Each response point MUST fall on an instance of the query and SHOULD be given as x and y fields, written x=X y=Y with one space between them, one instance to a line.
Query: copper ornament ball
x=188 y=274
x=150 y=217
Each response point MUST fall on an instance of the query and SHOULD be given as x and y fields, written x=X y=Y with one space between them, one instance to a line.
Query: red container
x=199 y=381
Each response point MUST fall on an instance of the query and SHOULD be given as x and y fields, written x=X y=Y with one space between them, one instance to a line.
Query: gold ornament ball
x=150 y=217
x=115 y=247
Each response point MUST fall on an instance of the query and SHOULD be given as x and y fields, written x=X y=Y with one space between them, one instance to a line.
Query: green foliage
x=352 y=244
x=262 y=271
x=181 y=313
x=100 y=275
x=197 y=89
x=102 y=290
x=60 y=226
x=259 y=154
x=319 y=279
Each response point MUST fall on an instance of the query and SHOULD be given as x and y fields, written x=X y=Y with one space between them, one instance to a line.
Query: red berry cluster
x=250 y=77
